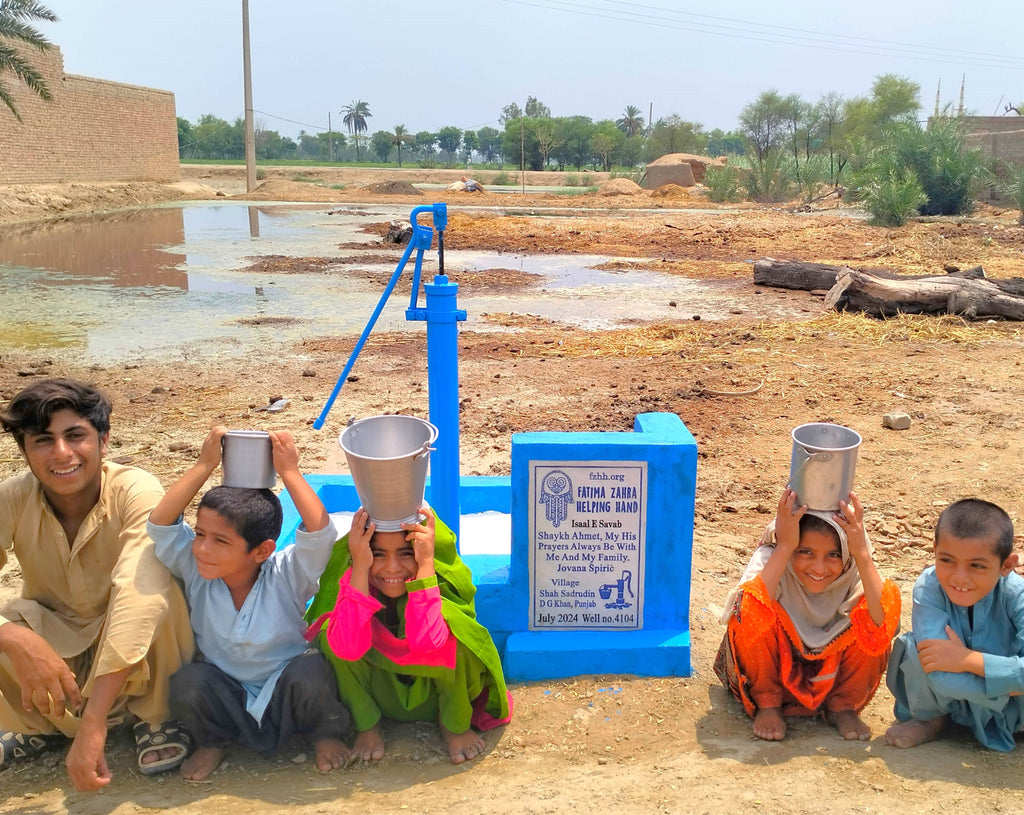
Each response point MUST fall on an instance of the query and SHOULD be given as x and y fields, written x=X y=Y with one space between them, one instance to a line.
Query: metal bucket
x=388 y=457
x=247 y=460
x=823 y=464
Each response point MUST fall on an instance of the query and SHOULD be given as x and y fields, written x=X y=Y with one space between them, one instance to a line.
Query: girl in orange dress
x=810 y=622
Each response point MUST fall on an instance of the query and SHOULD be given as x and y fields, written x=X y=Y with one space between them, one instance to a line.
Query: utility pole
x=330 y=138
x=250 y=136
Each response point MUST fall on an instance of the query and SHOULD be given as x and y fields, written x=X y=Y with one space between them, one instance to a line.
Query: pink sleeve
x=425 y=628
x=348 y=632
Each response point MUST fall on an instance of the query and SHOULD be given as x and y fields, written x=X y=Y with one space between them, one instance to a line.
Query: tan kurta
x=102 y=601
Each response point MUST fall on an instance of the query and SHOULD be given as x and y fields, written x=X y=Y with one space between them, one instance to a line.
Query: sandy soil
x=614 y=742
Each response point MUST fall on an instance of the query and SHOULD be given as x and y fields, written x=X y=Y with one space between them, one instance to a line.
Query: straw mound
x=393 y=188
x=620 y=186
x=670 y=191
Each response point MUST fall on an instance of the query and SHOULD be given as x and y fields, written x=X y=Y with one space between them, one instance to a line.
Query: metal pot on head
x=823 y=464
x=247 y=460
x=389 y=457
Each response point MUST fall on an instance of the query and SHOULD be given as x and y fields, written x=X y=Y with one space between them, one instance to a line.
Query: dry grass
x=703 y=342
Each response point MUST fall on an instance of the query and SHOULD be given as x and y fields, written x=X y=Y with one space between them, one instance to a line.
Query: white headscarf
x=818 y=617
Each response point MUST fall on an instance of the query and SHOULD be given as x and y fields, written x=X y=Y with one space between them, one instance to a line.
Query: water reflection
x=122 y=249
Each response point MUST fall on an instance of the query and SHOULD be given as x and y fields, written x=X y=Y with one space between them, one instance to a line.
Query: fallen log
x=883 y=293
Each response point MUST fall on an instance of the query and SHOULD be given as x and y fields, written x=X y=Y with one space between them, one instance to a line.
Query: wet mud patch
x=470 y=282
x=262 y=321
x=284 y=264
x=697 y=270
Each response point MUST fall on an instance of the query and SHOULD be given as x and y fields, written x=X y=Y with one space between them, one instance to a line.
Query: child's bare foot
x=462 y=746
x=914 y=732
x=369 y=745
x=201 y=763
x=331 y=754
x=850 y=726
x=769 y=724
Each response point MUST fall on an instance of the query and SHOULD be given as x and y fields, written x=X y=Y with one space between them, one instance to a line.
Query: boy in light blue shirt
x=257 y=685
x=963 y=662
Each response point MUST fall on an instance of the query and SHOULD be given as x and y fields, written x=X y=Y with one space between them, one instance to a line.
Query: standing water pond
x=175 y=282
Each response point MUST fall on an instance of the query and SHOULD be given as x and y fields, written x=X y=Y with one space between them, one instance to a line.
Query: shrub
x=1013 y=188
x=722 y=183
x=636 y=176
x=948 y=173
x=769 y=181
x=572 y=180
x=260 y=173
x=813 y=177
x=892 y=198
x=502 y=179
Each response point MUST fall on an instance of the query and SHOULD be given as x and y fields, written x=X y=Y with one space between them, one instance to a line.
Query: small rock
x=28 y=372
x=695 y=317
x=309 y=372
x=178 y=446
x=896 y=421
x=299 y=759
x=672 y=303
x=160 y=389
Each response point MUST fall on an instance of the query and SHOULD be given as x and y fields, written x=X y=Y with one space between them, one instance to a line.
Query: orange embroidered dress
x=765 y=659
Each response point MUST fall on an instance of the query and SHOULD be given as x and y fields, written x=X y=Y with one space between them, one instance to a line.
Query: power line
x=292 y=121
x=853 y=38
x=748 y=30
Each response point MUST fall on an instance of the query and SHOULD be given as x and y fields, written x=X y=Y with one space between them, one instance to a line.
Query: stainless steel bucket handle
x=820 y=455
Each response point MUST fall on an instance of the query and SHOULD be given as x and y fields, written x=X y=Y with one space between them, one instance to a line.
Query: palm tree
x=14 y=18
x=631 y=122
x=356 y=115
x=399 y=137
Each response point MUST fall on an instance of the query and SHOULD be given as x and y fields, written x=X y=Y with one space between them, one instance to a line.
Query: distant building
x=93 y=130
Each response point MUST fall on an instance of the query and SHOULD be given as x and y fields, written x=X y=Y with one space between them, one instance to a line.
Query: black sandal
x=168 y=734
x=26 y=746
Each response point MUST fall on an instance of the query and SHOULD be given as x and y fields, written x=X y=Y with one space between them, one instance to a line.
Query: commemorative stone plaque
x=587 y=542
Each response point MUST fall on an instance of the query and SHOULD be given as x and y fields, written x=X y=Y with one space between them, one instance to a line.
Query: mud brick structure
x=93 y=130
x=1000 y=138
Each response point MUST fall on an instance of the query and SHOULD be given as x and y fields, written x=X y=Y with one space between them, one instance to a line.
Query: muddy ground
x=620 y=743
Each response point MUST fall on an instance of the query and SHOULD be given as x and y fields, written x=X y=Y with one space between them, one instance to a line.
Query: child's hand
x=787 y=521
x=210 y=453
x=422 y=537
x=359 y=543
x=286 y=455
x=943 y=655
x=850 y=518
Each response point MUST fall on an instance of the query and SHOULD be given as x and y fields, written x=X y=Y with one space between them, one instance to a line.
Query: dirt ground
x=621 y=743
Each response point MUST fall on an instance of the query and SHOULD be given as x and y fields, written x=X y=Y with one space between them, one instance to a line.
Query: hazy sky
x=458 y=62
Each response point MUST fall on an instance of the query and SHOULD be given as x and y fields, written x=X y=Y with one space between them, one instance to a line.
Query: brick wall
x=1000 y=138
x=93 y=130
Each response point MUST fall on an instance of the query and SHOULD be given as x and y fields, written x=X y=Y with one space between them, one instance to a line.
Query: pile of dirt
x=280 y=189
x=32 y=202
x=620 y=186
x=392 y=188
x=670 y=191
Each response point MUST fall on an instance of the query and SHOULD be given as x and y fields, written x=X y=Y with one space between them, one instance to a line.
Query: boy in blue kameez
x=963 y=662
x=257 y=685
